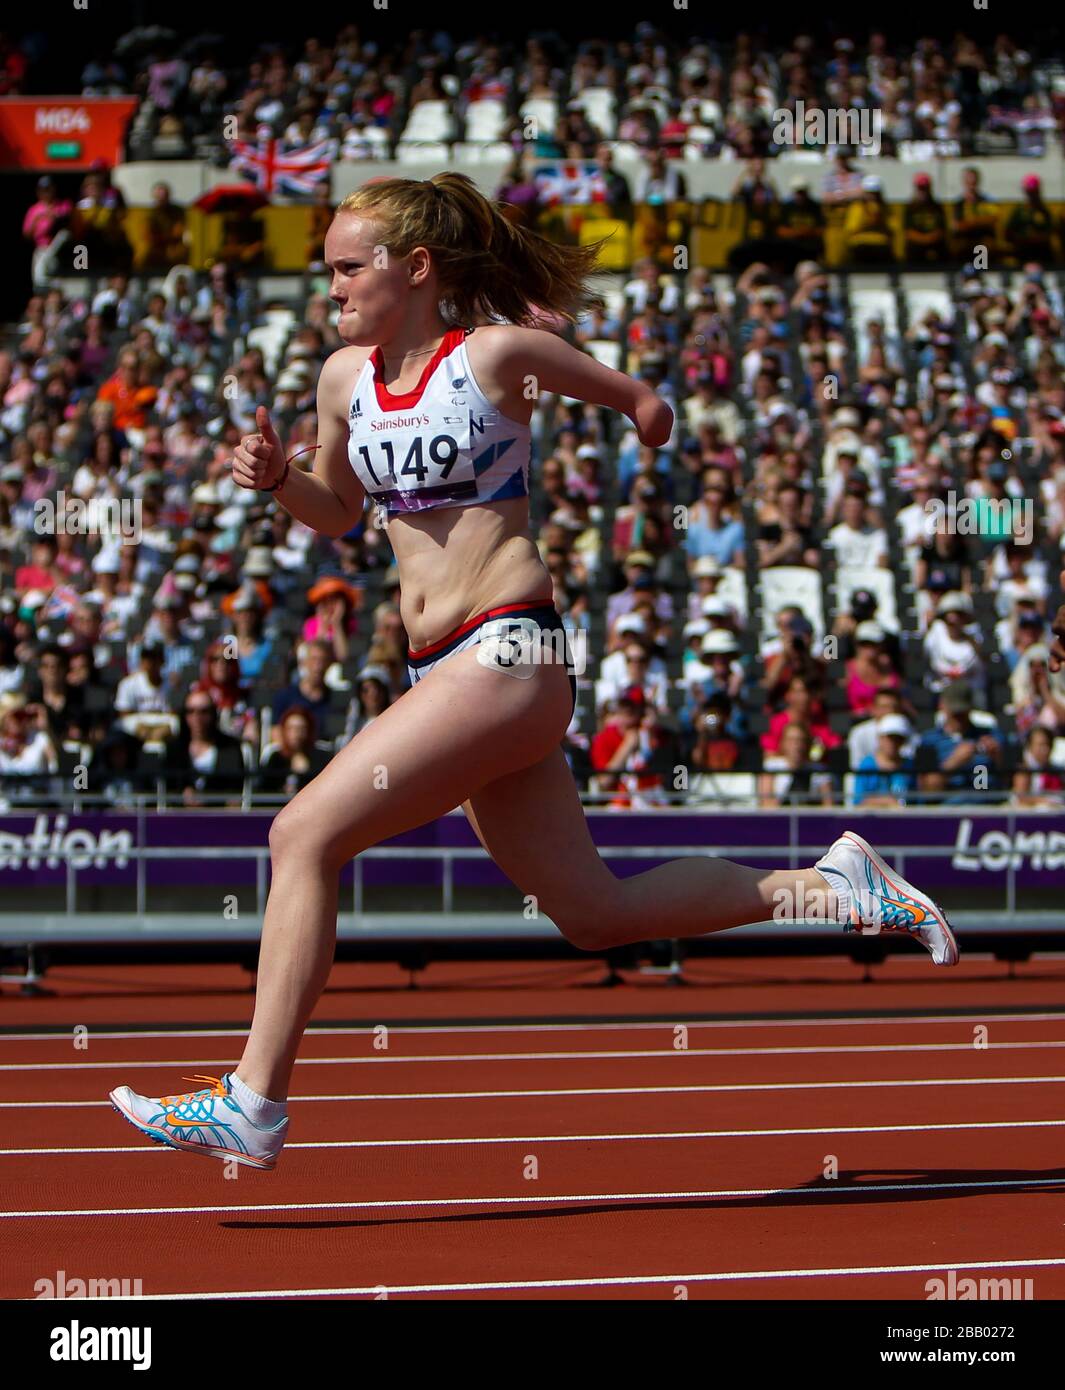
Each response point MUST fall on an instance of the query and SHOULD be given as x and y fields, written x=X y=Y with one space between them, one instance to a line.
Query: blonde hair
x=487 y=265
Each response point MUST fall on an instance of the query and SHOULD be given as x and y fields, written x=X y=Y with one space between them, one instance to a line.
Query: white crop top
x=442 y=444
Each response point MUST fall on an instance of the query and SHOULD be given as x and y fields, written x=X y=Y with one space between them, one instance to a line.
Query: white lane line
x=809 y=1021
x=382 y=1058
x=580 y=1138
x=598 y=1091
x=830 y=1190
x=614 y=1281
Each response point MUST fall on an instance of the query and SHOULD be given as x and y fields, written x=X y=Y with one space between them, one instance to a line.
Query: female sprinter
x=430 y=417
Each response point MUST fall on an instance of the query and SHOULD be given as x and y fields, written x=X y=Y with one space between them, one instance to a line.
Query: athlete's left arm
x=524 y=357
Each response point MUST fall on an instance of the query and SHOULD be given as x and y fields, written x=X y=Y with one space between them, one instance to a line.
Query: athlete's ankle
x=260 y=1109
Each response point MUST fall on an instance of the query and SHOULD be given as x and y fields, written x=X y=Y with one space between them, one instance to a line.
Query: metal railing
x=792 y=855
x=16 y=799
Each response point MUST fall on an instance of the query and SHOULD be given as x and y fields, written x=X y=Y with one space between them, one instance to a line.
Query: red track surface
x=656 y=1164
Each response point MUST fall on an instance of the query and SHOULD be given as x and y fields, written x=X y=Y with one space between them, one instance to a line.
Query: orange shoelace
x=217 y=1089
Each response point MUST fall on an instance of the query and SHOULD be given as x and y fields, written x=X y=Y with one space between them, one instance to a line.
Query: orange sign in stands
x=62 y=132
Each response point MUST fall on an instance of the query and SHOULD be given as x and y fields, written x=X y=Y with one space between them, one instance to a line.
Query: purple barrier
x=982 y=848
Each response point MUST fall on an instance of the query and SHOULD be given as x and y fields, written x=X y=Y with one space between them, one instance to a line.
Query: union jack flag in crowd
x=570 y=182
x=274 y=170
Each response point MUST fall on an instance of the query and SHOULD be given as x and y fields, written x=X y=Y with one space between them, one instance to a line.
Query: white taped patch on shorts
x=510 y=645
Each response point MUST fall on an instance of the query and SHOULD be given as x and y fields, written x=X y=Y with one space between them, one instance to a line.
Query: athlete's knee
x=587 y=930
x=287 y=834
x=297 y=834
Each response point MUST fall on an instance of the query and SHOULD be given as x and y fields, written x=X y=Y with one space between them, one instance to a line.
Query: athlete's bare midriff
x=456 y=562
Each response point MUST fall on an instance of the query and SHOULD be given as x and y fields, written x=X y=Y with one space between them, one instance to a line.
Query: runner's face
x=370 y=285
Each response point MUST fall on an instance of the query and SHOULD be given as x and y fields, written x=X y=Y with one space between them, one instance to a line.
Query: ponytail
x=488 y=267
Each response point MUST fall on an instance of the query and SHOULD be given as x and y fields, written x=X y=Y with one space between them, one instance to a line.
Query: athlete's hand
x=1057 y=648
x=653 y=420
x=259 y=459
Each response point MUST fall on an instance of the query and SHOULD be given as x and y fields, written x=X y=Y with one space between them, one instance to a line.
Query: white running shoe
x=878 y=899
x=206 y=1122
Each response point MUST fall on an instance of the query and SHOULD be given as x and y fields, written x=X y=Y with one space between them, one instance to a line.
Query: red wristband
x=281 y=481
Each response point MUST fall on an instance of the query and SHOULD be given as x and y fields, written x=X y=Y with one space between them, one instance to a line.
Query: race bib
x=414 y=464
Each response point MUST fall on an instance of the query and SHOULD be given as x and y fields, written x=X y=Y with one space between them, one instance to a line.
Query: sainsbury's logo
x=401 y=422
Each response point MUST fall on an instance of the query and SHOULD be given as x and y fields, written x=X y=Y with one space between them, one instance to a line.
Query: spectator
x=296 y=758
x=627 y=754
x=202 y=761
x=802 y=706
x=976 y=218
x=309 y=691
x=618 y=192
x=1039 y=781
x=373 y=695
x=843 y=184
x=866 y=231
x=115 y=773
x=1023 y=631
x=26 y=747
x=220 y=679
x=870 y=669
x=519 y=191
x=638 y=674
x=51 y=693
x=253 y=648
x=950 y=647
x=784 y=534
x=717 y=747
x=886 y=779
x=714 y=529
x=1038 y=697
x=47 y=225
x=12 y=672
x=856 y=541
x=759 y=236
x=630 y=522
x=793 y=777
x=639 y=582
x=1030 y=232
x=130 y=394
x=789 y=654
x=335 y=604
x=716 y=669
x=167 y=238
x=958 y=757
x=862 y=738
x=41 y=572
x=800 y=226
x=925 y=224
x=142 y=699
x=97 y=224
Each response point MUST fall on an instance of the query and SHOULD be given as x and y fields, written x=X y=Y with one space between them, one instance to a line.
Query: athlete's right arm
x=329 y=499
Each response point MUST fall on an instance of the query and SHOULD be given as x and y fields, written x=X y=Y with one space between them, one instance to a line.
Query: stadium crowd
x=809 y=593
x=649 y=89
x=834 y=582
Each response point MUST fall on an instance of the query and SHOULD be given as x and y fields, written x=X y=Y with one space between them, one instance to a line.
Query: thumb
x=263 y=425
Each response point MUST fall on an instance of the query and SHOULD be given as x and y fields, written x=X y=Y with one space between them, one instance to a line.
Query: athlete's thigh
x=532 y=823
x=461 y=726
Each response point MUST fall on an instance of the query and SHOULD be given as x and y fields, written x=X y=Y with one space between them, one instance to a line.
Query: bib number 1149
x=442 y=451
